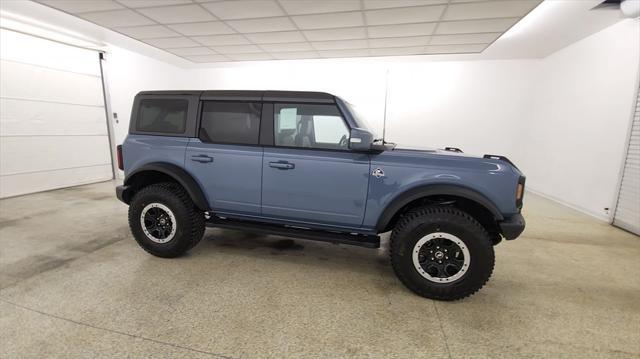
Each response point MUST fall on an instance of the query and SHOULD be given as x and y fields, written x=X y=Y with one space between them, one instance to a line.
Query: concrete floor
x=73 y=283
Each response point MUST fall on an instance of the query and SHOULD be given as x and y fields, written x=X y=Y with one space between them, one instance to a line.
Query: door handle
x=282 y=165
x=202 y=158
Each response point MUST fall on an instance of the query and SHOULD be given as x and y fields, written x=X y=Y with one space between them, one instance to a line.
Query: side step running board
x=324 y=236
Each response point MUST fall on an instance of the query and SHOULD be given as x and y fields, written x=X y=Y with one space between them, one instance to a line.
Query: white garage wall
x=52 y=124
x=476 y=106
x=573 y=144
x=430 y=103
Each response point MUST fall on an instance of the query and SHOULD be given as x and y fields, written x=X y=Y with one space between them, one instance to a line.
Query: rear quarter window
x=162 y=116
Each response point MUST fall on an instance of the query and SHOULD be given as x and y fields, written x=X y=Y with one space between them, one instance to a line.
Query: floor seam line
x=444 y=335
x=115 y=331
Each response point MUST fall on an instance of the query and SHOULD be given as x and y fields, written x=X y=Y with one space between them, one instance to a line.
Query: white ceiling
x=205 y=31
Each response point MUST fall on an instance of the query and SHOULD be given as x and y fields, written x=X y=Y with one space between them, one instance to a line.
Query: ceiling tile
x=399 y=41
x=262 y=25
x=151 y=3
x=472 y=26
x=172 y=42
x=299 y=7
x=236 y=49
x=177 y=14
x=217 y=40
x=245 y=9
x=349 y=33
x=404 y=15
x=147 y=32
x=276 y=37
x=454 y=49
x=202 y=28
x=464 y=39
x=398 y=51
x=75 y=6
x=326 y=21
x=295 y=55
x=191 y=51
x=116 y=18
x=489 y=9
x=384 y=4
x=339 y=45
x=344 y=53
x=207 y=58
x=251 y=57
x=402 y=30
x=294 y=46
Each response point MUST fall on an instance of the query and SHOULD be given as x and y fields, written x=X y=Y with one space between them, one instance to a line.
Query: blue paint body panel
x=328 y=187
x=232 y=181
x=408 y=169
x=144 y=149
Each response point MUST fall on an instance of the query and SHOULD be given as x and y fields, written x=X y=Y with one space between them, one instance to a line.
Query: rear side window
x=162 y=116
x=230 y=122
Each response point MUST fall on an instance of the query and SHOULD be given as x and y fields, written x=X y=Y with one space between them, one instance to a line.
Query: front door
x=226 y=159
x=310 y=175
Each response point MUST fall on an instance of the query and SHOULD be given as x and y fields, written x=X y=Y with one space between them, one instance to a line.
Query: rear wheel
x=164 y=221
x=441 y=253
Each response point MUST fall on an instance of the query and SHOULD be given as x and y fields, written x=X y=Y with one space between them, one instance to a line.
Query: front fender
x=432 y=190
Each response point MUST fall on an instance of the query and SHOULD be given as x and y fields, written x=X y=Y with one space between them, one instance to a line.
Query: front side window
x=230 y=122
x=162 y=116
x=310 y=126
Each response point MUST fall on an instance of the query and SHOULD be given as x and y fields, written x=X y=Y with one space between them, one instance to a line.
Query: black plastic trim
x=178 y=174
x=368 y=241
x=266 y=125
x=513 y=226
x=501 y=158
x=433 y=190
x=123 y=193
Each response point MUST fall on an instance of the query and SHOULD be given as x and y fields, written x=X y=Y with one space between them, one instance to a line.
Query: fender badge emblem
x=377 y=173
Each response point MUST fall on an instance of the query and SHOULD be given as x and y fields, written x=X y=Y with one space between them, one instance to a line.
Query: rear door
x=226 y=158
x=310 y=175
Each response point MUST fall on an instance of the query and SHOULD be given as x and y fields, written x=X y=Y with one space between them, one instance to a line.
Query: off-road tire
x=426 y=220
x=190 y=224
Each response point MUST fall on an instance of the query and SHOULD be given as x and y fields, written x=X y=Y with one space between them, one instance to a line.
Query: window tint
x=310 y=126
x=230 y=122
x=162 y=115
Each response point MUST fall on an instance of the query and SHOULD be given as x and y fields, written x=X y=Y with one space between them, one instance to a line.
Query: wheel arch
x=160 y=172
x=482 y=207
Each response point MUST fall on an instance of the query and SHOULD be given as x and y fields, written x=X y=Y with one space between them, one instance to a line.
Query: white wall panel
x=53 y=130
x=47 y=153
x=18 y=118
x=27 y=49
x=37 y=83
x=15 y=185
x=573 y=144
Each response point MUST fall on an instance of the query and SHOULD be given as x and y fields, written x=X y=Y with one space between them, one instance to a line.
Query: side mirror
x=360 y=140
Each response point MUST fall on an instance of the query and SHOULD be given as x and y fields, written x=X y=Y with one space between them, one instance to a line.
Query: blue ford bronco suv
x=304 y=165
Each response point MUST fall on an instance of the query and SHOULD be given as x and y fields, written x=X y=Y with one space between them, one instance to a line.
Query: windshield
x=360 y=120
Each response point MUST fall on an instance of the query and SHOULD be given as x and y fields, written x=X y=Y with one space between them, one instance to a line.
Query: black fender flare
x=179 y=175
x=433 y=190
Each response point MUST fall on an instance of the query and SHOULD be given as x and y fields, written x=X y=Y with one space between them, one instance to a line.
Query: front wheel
x=441 y=253
x=164 y=220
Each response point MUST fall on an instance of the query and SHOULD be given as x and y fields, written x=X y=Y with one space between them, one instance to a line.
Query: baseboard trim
x=598 y=216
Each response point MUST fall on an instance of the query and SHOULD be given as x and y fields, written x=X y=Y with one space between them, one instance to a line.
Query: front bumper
x=512 y=227
x=124 y=193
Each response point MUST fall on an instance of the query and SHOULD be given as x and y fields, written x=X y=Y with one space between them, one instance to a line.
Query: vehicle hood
x=427 y=151
x=422 y=155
